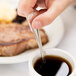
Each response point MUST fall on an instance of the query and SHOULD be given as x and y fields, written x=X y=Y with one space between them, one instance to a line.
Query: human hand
x=42 y=17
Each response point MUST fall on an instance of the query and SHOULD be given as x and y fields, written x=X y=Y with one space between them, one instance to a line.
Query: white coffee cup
x=56 y=52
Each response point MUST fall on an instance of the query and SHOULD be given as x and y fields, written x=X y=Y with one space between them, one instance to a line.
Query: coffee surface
x=53 y=66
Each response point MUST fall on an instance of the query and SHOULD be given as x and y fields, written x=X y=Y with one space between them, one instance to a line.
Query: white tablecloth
x=68 y=43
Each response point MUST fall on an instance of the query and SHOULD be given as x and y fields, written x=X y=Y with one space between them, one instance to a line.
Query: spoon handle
x=37 y=35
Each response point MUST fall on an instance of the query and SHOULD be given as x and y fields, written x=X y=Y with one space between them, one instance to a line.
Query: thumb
x=47 y=17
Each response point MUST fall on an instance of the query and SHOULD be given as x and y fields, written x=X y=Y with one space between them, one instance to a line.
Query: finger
x=25 y=7
x=41 y=3
x=46 y=18
x=36 y=13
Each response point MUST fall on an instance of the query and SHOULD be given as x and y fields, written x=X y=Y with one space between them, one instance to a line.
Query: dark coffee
x=53 y=66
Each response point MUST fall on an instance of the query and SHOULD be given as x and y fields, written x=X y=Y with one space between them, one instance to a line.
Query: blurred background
x=13 y=3
x=68 y=42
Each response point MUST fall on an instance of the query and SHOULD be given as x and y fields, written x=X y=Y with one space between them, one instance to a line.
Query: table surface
x=68 y=43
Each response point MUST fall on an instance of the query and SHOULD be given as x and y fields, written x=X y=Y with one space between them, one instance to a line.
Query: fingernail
x=37 y=24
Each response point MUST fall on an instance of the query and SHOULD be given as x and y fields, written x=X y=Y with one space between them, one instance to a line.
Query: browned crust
x=18 y=32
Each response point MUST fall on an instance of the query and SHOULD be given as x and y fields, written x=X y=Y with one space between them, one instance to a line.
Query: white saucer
x=55 y=33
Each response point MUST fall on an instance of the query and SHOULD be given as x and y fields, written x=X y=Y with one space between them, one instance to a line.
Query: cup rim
x=54 y=50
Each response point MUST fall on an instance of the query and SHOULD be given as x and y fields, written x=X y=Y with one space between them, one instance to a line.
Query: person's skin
x=43 y=17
